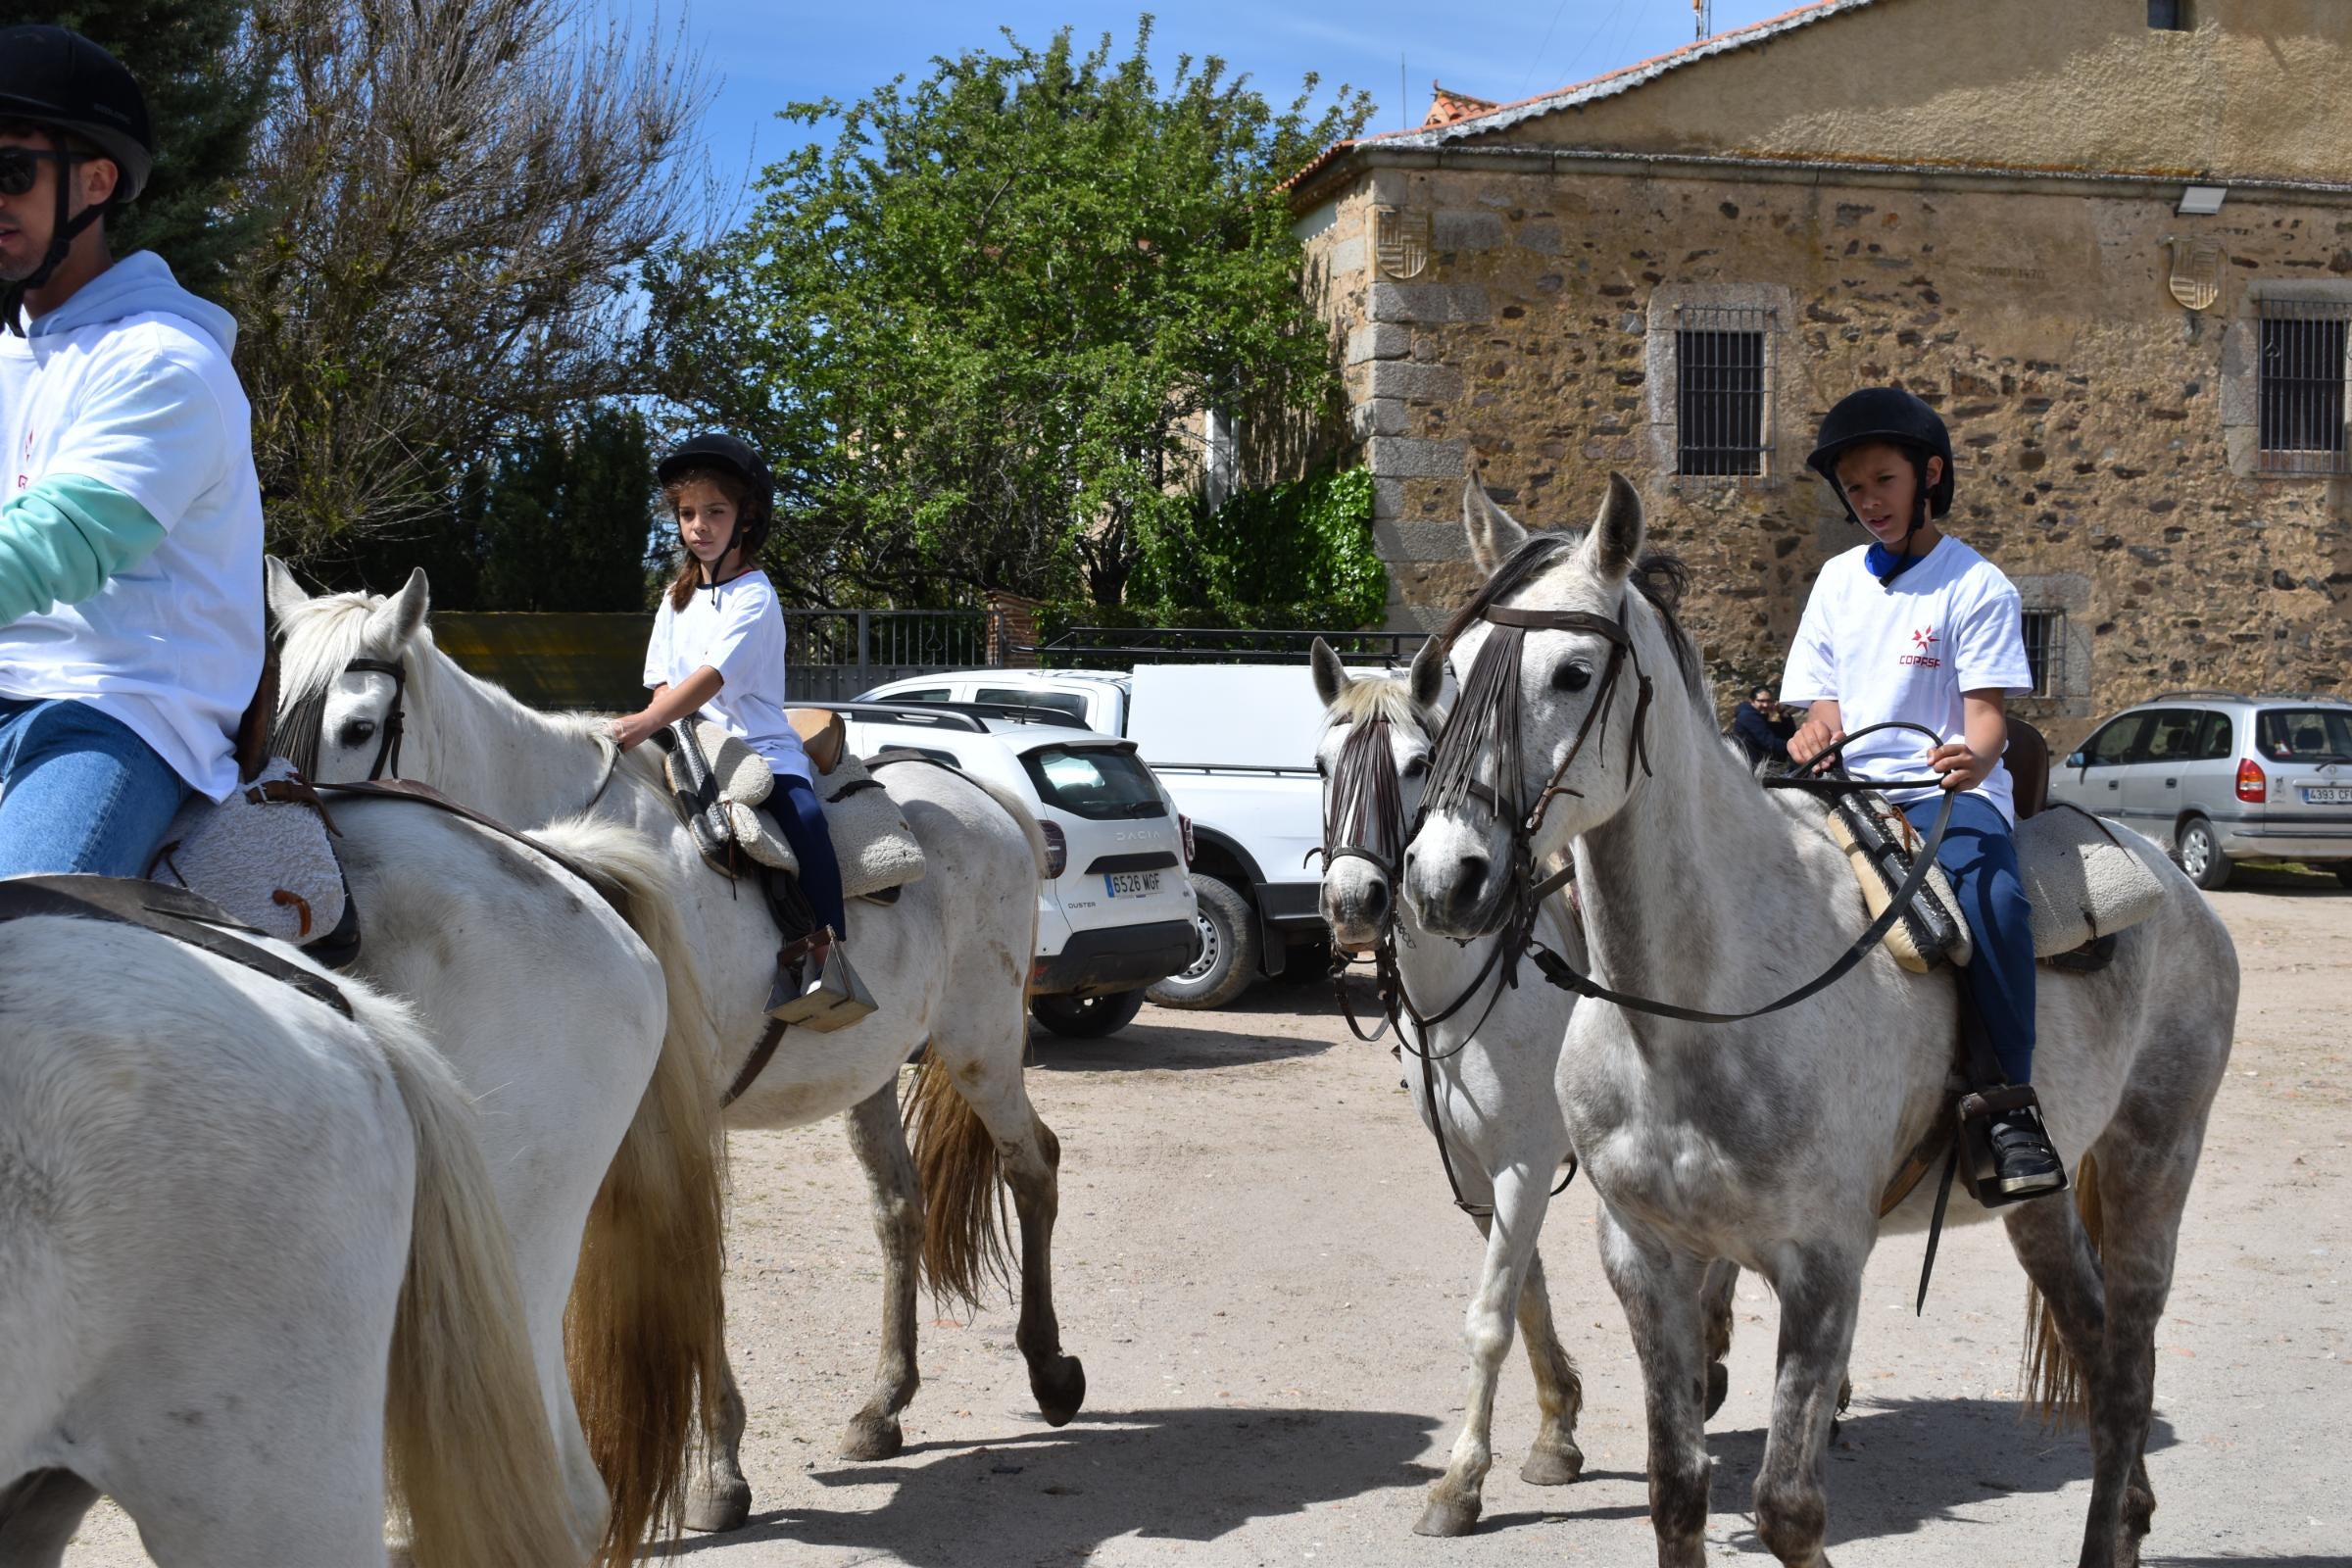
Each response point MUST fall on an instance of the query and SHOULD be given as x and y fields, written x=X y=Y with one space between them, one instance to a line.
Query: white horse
x=1493 y=1058
x=948 y=963
x=596 y=1114
x=249 y=1258
x=1770 y=1142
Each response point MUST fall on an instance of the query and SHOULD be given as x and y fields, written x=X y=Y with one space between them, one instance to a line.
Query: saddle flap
x=1878 y=841
x=265 y=855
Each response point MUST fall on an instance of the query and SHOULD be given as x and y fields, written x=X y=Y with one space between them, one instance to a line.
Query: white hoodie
x=129 y=384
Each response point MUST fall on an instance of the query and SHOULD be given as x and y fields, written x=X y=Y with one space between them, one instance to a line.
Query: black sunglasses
x=18 y=165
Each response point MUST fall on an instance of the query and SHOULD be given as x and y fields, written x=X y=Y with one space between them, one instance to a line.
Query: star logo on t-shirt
x=1922 y=638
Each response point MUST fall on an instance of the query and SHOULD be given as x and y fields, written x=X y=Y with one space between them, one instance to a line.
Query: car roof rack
x=2337 y=697
x=939 y=715
x=2195 y=691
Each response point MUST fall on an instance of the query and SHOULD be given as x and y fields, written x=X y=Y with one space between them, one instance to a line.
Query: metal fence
x=833 y=654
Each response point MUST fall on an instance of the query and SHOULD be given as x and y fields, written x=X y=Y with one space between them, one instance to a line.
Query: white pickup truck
x=1234 y=747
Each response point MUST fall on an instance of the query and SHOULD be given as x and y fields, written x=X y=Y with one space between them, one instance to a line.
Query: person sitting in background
x=1761 y=726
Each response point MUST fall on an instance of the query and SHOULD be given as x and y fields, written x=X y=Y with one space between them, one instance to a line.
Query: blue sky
x=762 y=54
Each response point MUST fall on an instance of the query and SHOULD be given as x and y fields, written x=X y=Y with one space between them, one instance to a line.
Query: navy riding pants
x=802 y=818
x=1980 y=858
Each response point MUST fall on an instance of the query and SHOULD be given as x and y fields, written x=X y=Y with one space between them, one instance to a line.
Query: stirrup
x=834 y=999
x=1977 y=1113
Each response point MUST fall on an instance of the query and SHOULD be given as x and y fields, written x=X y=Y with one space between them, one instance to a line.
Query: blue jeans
x=1980 y=858
x=802 y=818
x=78 y=792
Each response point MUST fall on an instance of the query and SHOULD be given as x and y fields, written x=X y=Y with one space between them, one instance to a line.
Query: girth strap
x=168 y=912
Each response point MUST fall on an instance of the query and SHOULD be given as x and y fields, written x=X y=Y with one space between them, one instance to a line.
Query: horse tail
x=964 y=1207
x=467 y=1444
x=2053 y=1379
x=644 y=1330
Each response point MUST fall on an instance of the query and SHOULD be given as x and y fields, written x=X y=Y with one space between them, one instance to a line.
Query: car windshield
x=1095 y=782
x=2304 y=734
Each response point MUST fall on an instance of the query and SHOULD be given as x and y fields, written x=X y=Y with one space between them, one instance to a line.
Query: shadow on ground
x=1168 y=1038
x=1897 y=1468
x=1177 y=1475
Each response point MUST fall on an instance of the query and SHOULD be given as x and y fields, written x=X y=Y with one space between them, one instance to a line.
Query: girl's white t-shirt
x=1950 y=622
x=737 y=629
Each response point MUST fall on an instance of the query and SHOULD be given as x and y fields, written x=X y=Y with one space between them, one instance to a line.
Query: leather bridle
x=387 y=746
x=1486 y=720
x=1363 y=818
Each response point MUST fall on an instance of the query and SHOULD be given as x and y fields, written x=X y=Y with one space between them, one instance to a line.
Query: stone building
x=2110 y=239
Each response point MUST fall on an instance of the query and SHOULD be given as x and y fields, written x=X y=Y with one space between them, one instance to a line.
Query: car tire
x=2200 y=854
x=1088 y=1017
x=1228 y=959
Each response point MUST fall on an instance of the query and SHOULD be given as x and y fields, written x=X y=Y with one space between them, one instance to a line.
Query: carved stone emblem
x=2197 y=281
x=1401 y=240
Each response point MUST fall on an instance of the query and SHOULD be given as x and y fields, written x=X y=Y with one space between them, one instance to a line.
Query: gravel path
x=1258 y=1263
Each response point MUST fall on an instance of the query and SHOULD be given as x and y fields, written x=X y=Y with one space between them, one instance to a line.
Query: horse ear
x=1331 y=676
x=1428 y=679
x=1494 y=536
x=395 y=621
x=279 y=590
x=1610 y=550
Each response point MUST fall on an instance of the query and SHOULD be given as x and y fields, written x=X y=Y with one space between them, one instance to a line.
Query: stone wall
x=2094 y=415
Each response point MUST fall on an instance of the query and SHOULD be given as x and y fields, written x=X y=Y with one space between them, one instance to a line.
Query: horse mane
x=1376 y=697
x=1661 y=579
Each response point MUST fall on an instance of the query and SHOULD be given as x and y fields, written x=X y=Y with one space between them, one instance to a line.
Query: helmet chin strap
x=60 y=244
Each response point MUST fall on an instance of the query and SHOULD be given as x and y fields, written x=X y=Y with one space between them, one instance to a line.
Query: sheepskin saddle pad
x=265 y=855
x=2082 y=879
x=719 y=793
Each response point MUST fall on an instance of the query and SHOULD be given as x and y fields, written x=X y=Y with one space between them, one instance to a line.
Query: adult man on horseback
x=130 y=530
x=1917 y=626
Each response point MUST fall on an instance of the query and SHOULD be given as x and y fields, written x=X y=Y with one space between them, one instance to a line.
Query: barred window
x=2045 y=650
x=2301 y=397
x=1721 y=389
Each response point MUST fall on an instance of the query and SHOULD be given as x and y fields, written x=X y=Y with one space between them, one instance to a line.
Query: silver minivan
x=2220 y=777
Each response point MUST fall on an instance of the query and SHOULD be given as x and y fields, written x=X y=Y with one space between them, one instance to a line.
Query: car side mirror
x=2073 y=759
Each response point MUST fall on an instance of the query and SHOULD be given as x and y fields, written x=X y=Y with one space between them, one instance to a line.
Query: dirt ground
x=1259 y=1264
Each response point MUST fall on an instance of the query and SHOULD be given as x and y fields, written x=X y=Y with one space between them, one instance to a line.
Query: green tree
x=205 y=88
x=976 y=335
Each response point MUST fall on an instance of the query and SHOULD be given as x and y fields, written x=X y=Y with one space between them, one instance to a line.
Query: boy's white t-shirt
x=172 y=649
x=738 y=630
x=1950 y=622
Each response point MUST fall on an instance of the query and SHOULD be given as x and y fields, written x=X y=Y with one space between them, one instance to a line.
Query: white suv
x=1115 y=911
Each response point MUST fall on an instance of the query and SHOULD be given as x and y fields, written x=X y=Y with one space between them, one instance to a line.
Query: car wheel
x=1088 y=1017
x=1228 y=958
x=2200 y=854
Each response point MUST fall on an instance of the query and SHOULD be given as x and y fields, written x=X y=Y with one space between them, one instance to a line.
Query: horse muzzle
x=1357 y=909
x=1459 y=895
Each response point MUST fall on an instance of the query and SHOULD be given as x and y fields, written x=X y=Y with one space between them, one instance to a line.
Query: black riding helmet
x=716 y=449
x=1889 y=414
x=58 y=79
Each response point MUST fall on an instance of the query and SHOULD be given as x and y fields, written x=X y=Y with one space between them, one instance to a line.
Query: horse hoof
x=1448 y=1517
x=1553 y=1465
x=1719 y=1387
x=1061 y=1389
x=715 y=1510
x=872 y=1436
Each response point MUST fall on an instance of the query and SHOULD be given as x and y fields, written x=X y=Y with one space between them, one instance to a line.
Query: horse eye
x=1415 y=768
x=1322 y=768
x=359 y=732
x=1573 y=676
